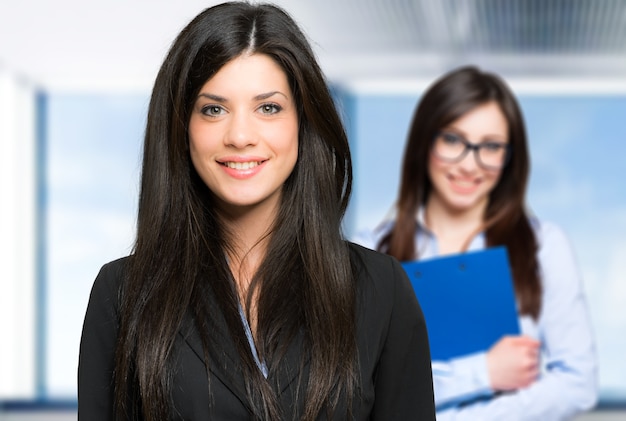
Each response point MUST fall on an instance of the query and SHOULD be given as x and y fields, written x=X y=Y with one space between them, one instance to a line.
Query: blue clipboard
x=468 y=300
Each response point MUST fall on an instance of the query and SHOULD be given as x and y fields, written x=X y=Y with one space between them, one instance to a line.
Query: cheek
x=292 y=154
x=286 y=142
x=203 y=134
x=201 y=151
x=195 y=148
x=202 y=140
x=493 y=177
x=436 y=168
x=196 y=159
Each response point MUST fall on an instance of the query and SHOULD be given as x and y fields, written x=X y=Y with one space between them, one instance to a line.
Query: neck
x=248 y=231
x=454 y=229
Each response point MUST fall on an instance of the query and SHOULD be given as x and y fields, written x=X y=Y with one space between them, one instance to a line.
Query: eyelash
x=208 y=110
x=275 y=108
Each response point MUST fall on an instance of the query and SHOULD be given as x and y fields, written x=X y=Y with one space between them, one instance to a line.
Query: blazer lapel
x=224 y=361
x=291 y=367
x=224 y=358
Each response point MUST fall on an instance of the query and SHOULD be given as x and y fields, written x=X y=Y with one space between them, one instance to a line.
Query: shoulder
x=102 y=315
x=109 y=279
x=371 y=261
x=380 y=277
x=551 y=238
x=386 y=296
x=548 y=232
x=556 y=256
x=115 y=270
x=115 y=267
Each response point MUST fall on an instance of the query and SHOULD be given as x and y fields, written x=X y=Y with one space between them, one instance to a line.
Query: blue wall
x=93 y=151
x=91 y=185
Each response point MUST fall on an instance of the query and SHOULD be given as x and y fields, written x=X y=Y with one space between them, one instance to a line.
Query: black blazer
x=394 y=358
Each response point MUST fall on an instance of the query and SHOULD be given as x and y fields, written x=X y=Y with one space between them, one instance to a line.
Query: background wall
x=93 y=145
x=18 y=231
x=73 y=95
x=91 y=178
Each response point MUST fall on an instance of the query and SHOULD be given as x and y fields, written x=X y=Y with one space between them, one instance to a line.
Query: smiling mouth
x=241 y=165
x=464 y=183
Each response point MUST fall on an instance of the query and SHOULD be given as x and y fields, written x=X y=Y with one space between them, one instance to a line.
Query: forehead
x=249 y=72
x=484 y=119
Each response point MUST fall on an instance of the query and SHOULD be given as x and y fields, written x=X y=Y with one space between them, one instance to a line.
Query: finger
x=529 y=365
x=533 y=353
x=531 y=342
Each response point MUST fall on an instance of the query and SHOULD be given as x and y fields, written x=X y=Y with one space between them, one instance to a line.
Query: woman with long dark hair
x=463 y=186
x=241 y=300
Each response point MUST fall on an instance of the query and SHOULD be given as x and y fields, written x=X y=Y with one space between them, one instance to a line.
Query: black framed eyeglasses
x=491 y=155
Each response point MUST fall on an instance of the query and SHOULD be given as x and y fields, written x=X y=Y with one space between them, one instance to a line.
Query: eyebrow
x=259 y=97
x=269 y=95
x=488 y=136
x=212 y=97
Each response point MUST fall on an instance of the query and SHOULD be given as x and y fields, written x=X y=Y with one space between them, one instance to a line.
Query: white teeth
x=241 y=165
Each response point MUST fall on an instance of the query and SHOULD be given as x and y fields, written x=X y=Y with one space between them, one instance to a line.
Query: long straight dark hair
x=506 y=221
x=306 y=281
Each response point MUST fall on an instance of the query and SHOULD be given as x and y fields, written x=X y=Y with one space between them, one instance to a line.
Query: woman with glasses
x=463 y=186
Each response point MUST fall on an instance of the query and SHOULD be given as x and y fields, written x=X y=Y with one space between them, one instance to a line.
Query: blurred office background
x=75 y=80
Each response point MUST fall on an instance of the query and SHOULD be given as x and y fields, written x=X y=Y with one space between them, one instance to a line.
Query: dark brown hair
x=506 y=221
x=305 y=282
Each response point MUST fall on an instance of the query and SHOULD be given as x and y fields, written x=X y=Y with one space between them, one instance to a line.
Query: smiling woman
x=241 y=299
x=451 y=201
x=243 y=141
x=243 y=134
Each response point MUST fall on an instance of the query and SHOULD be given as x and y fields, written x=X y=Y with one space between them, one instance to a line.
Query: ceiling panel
x=72 y=42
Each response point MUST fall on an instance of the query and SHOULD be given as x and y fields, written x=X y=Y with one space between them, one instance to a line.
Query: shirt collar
x=427 y=242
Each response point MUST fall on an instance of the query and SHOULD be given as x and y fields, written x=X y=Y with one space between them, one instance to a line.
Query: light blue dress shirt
x=261 y=364
x=567 y=385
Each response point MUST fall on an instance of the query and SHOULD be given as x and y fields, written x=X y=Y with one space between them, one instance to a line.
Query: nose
x=469 y=163
x=241 y=131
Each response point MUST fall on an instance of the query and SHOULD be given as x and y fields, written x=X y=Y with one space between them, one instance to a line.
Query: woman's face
x=464 y=186
x=243 y=133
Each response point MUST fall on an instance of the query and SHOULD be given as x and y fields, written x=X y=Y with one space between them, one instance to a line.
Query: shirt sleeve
x=97 y=349
x=461 y=380
x=568 y=383
x=404 y=389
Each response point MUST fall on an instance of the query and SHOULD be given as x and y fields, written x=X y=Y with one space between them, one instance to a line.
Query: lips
x=463 y=185
x=241 y=162
x=242 y=167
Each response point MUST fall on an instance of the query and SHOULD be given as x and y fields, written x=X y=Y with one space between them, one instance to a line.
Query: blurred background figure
x=75 y=79
x=463 y=187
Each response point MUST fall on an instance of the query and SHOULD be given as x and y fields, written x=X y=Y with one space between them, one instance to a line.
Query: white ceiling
x=119 y=44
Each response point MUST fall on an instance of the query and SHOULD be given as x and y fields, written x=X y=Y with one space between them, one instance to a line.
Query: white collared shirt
x=568 y=383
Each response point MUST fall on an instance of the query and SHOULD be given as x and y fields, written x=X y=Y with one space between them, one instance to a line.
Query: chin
x=464 y=204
